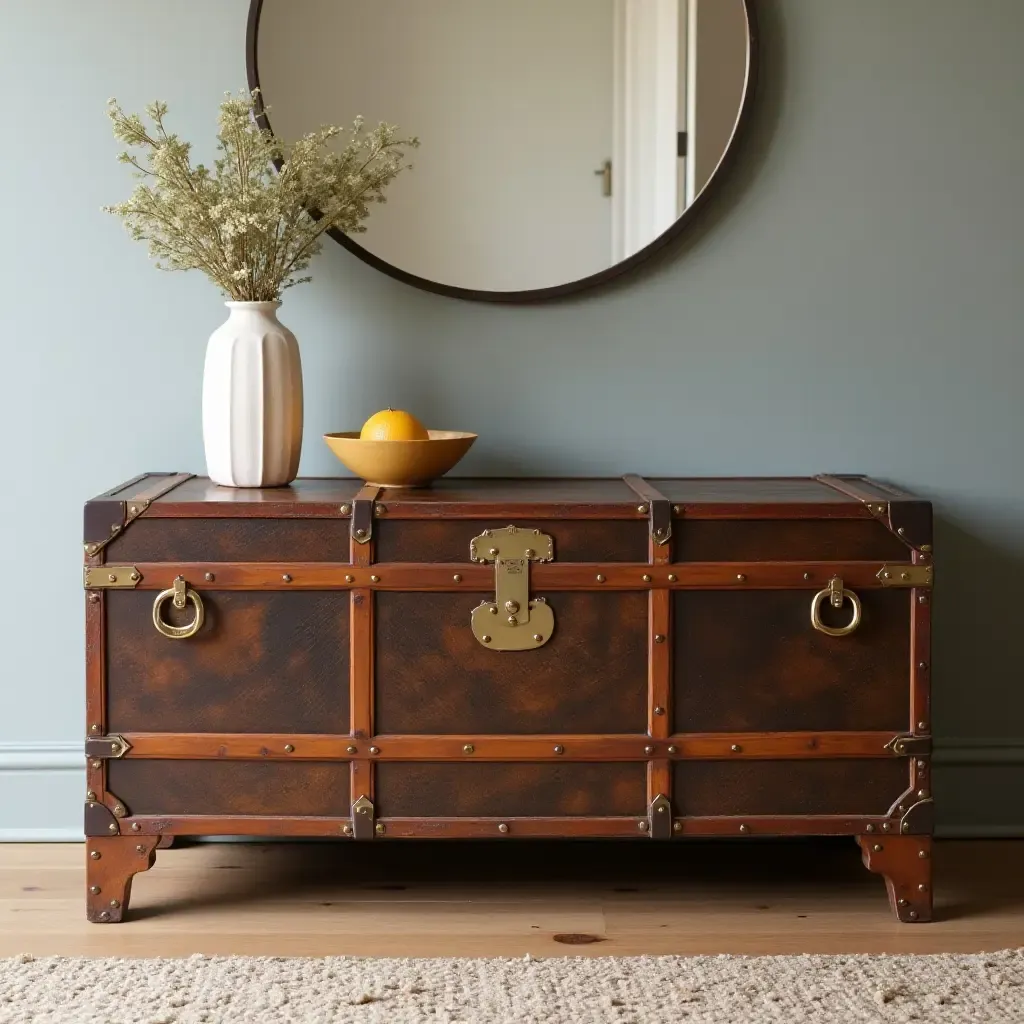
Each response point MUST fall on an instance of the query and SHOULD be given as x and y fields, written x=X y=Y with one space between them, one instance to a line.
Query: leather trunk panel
x=434 y=540
x=232 y=540
x=263 y=662
x=232 y=787
x=433 y=676
x=850 y=786
x=492 y=789
x=750 y=661
x=783 y=540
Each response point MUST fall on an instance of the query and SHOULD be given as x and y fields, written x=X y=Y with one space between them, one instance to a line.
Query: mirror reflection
x=558 y=137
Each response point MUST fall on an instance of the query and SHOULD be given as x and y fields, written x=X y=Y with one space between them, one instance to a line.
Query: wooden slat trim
x=858 y=488
x=95 y=686
x=503 y=511
x=533 y=828
x=439 y=576
x=691 y=746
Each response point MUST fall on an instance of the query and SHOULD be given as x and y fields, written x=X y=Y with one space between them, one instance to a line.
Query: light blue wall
x=854 y=302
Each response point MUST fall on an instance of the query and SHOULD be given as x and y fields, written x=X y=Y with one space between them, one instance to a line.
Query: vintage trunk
x=651 y=659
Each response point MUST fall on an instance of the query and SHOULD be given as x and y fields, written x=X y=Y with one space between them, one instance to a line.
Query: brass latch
x=512 y=621
x=906 y=575
x=112 y=577
x=910 y=746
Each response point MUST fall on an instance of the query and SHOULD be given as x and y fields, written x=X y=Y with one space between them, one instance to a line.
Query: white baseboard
x=979 y=786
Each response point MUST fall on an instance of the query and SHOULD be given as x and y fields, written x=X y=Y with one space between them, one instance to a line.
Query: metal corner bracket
x=111 y=577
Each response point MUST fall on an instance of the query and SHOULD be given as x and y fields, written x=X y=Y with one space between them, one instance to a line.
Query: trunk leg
x=166 y=842
x=905 y=862
x=110 y=864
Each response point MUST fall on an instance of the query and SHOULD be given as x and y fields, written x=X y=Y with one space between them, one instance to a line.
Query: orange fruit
x=393 y=425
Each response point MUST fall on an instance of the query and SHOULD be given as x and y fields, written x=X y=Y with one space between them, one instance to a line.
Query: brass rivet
x=346 y=830
x=648 y=749
x=512 y=620
x=134 y=509
x=735 y=748
x=926 y=548
x=503 y=827
x=119 y=810
x=91 y=549
x=140 y=848
x=360 y=532
x=115 y=527
x=493 y=551
x=96 y=855
x=743 y=828
x=537 y=637
x=642 y=825
x=529 y=553
x=96 y=764
x=136 y=827
x=112 y=578
x=468 y=748
x=210 y=577
x=105 y=916
x=375 y=579
x=659 y=638
x=885 y=826
x=887 y=575
x=677 y=510
x=493 y=609
x=740 y=577
x=642 y=509
x=374 y=750
x=94 y=598
x=135 y=577
x=380 y=509
x=904 y=575
x=659 y=710
x=95 y=890
x=352 y=750
x=923 y=666
x=600 y=578
x=647 y=577
x=111 y=828
x=486 y=639
x=922 y=599
x=350 y=578
x=923 y=794
x=677 y=826
x=90 y=795
x=902 y=532
x=379 y=828
x=287 y=578
x=922 y=854
x=922 y=725
x=913 y=915
x=869 y=828
x=345 y=509
x=457 y=577
x=288 y=748
x=807 y=575
x=94 y=728
x=673 y=750
x=904 y=827
x=672 y=577
x=559 y=749
x=114 y=748
x=922 y=888
x=877 y=847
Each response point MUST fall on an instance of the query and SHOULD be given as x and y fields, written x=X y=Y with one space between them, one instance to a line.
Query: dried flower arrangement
x=246 y=226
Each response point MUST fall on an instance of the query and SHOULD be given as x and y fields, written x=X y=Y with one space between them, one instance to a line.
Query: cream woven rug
x=966 y=989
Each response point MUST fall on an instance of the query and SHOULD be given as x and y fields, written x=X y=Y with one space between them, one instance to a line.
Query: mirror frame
x=668 y=236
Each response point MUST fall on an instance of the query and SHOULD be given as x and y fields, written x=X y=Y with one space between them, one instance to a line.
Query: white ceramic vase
x=252 y=399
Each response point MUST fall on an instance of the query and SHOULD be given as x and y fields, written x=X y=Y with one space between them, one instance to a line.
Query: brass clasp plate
x=512 y=622
x=906 y=575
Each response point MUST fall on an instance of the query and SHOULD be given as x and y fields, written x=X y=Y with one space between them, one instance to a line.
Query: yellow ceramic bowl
x=400 y=463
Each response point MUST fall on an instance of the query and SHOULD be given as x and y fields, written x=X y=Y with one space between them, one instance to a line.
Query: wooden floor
x=508 y=899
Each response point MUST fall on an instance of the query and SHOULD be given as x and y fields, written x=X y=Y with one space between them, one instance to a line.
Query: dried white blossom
x=250 y=228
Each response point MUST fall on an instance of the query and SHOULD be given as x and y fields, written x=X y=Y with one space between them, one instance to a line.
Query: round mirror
x=562 y=141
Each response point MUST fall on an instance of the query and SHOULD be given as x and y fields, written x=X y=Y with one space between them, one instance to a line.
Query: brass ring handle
x=180 y=593
x=836 y=594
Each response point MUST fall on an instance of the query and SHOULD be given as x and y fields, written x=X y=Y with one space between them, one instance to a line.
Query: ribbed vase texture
x=252 y=399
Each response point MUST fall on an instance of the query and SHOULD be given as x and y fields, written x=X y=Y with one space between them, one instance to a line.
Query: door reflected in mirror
x=559 y=138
